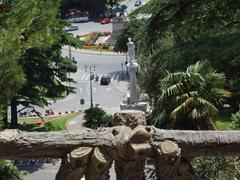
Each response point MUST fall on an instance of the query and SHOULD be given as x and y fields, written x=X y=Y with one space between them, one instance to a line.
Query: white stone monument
x=132 y=101
x=132 y=70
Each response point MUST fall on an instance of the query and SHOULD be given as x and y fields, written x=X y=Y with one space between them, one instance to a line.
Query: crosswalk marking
x=114 y=77
x=83 y=76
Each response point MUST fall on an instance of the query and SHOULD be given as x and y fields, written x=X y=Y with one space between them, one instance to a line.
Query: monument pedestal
x=132 y=69
x=132 y=101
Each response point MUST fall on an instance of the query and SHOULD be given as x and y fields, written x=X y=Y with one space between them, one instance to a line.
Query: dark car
x=105 y=20
x=71 y=28
x=138 y=3
x=105 y=80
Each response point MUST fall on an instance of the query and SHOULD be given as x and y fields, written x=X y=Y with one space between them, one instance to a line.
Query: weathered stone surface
x=74 y=164
x=15 y=144
x=98 y=167
x=130 y=118
x=132 y=147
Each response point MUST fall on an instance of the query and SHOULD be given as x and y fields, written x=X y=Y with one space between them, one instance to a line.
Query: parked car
x=105 y=20
x=138 y=3
x=105 y=80
x=71 y=28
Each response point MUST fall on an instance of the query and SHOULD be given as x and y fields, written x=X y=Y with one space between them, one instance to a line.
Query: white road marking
x=108 y=89
x=94 y=90
x=117 y=77
x=112 y=79
x=83 y=76
x=72 y=123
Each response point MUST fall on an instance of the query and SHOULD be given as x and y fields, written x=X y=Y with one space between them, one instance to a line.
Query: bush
x=235 y=121
x=217 y=168
x=9 y=172
x=97 y=117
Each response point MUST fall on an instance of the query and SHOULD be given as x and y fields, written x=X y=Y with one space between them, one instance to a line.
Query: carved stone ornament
x=132 y=147
x=74 y=164
x=169 y=164
x=99 y=165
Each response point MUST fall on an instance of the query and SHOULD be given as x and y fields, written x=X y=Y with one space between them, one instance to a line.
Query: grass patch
x=223 y=120
x=59 y=124
x=29 y=119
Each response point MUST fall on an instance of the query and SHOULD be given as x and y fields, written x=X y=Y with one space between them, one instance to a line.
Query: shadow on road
x=32 y=165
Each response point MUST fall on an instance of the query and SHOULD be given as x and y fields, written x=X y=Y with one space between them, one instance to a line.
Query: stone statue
x=131 y=50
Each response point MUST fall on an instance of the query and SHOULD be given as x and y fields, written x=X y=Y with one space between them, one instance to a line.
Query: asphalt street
x=108 y=97
x=130 y=5
x=91 y=26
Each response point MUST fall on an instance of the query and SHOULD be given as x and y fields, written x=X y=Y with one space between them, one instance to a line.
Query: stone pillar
x=132 y=147
x=132 y=70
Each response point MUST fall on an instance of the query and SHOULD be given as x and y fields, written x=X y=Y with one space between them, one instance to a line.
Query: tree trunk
x=5 y=117
x=14 y=118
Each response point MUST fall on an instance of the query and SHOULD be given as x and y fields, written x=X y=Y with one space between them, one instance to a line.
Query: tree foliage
x=9 y=172
x=32 y=36
x=189 y=100
x=97 y=117
x=181 y=32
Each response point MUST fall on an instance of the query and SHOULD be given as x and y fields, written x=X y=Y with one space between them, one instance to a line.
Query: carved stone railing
x=92 y=152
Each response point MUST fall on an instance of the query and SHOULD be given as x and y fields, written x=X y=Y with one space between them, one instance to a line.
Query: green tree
x=189 y=100
x=180 y=33
x=35 y=40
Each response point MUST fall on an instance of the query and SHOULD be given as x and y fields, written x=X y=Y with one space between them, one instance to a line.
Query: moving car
x=138 y=3
x=105 y=20
x=105 y=80
x=71 y=28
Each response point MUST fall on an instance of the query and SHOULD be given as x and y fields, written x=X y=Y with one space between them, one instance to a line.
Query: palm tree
x=189 y=100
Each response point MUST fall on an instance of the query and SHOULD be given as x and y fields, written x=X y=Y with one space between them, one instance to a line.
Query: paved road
x=107 y=96
x=91 y=26
x=130 y=5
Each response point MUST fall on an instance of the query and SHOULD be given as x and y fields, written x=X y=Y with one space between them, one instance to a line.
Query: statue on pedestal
x=131 y=101
x=131 y=50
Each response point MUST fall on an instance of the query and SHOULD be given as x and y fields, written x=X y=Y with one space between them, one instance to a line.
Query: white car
x=71 y=28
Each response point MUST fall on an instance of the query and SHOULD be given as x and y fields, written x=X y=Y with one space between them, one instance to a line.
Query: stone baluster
x=74 y=164
x=98 y=167
x=132 y=147
x=170 y=165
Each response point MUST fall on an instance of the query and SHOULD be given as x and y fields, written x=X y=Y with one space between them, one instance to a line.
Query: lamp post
x=92 y=69
x=91 y=78
x=126 y=62
x=122 y=71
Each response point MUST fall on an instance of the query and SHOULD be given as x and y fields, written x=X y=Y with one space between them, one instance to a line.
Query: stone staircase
x=112 y=39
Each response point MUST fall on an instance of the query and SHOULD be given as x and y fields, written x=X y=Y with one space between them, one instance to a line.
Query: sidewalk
x=76 y=123
x=93 y=52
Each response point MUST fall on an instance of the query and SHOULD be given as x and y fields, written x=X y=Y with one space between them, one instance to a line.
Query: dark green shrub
x=235 y=121
x=9 y=172
x=96 y=117
x=217 y=168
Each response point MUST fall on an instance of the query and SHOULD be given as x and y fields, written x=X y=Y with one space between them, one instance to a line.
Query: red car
x=105 y=20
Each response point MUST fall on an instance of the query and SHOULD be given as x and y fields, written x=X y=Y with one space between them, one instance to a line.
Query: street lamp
x=122 y=71
x=90 y=79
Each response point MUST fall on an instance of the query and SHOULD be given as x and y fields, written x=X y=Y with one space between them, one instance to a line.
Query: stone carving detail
x=169 y=164
x=132 y=147
x=131 y=118
x=99 y=165
x=94 y=163
x=74 y=164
